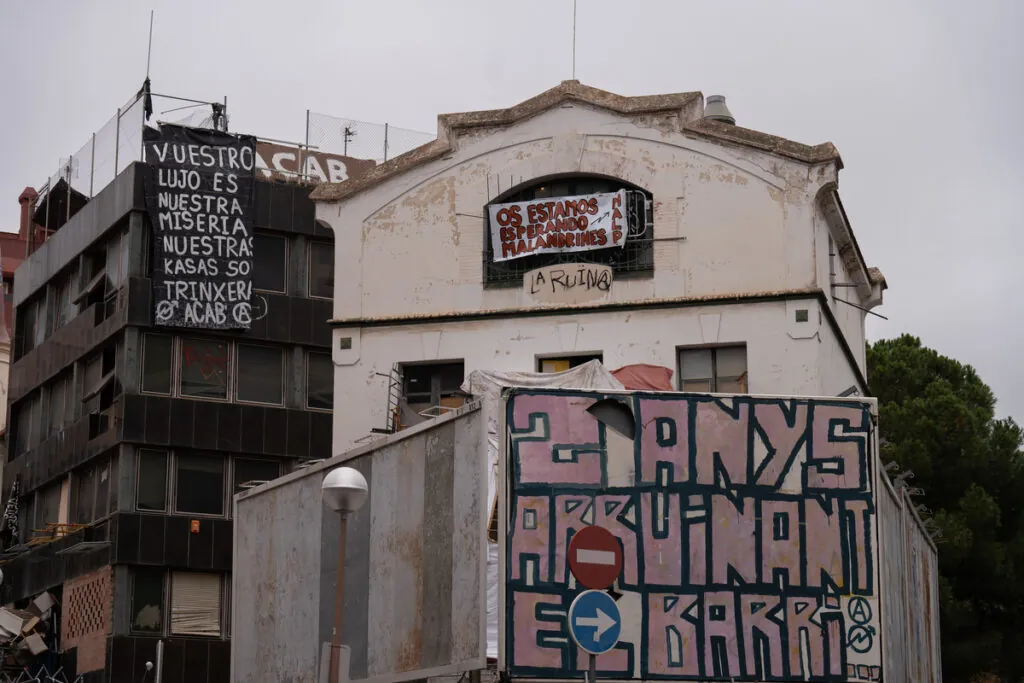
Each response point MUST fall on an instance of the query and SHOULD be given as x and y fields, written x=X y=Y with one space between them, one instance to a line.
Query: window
x=635 y=257
x=26 y=325
x=157 y=359
x=321 y=269
x=151 y=485
x=433 y=384
x=200 y=484
x=25 y=424
x=254 y=470
x=196 y=604
x=83 y=494
x=269 y=262
x=260 y=371
x=63 y=308
x=148 y=601
x=717 y=370
x=61 y=411
x=319 y=381
x=204 y=369
x=565 y=363
x=48 y=511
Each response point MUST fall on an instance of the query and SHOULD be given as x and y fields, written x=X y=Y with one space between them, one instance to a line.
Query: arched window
x=634 y=259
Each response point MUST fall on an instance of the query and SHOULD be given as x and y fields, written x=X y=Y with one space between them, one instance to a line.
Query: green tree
x=937 y=419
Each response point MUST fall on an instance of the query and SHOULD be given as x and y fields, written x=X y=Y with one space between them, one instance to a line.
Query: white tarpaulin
x=542 y=226
x=486 y=387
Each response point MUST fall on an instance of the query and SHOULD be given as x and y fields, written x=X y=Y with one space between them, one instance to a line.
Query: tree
x=937 y=419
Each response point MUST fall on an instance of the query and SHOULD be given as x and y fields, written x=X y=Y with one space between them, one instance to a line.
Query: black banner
x=199 y=195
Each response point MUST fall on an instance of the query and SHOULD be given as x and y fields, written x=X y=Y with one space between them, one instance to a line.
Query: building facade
x=736 y=267
x=129 y=440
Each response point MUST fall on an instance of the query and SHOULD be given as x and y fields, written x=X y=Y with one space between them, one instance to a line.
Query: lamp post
x=344 y=491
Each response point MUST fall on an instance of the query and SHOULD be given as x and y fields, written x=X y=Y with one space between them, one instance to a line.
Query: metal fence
x=107 y=152
x=40 y=676
x=118 y=143
x=360 y=139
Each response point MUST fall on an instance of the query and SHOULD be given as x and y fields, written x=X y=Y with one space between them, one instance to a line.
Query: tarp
x=486 y=386
x=643 y=377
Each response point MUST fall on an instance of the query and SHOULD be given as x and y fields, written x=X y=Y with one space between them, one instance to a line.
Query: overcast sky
x=923 y=98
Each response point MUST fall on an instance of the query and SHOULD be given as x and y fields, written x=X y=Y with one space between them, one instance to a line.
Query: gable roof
x=690 y=106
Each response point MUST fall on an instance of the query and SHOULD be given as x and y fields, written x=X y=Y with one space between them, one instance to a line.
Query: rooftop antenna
x=149 y=49
x=574 y=40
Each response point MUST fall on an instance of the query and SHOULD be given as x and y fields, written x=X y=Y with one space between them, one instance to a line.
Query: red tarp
x=645 y=377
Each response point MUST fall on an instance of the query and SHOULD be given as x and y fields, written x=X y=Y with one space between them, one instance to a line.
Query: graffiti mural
x=747 y=527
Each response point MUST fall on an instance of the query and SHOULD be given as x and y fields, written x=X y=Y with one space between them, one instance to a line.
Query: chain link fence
x=95 y=165
x=360 y=139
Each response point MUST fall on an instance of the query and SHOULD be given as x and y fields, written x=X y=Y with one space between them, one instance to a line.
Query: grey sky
x=922 y=97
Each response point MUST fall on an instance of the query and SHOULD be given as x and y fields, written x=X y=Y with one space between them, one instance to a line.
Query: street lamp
x=344 y=491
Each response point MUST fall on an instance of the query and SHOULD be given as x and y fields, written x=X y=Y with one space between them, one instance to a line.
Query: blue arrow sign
x=595 y=622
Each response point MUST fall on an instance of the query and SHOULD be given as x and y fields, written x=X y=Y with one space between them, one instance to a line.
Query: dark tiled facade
x=117 y=430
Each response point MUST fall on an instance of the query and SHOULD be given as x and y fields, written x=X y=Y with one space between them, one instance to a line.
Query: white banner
x=543 y=226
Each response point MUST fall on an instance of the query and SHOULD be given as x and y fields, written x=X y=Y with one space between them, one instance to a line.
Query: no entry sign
x=595 y=557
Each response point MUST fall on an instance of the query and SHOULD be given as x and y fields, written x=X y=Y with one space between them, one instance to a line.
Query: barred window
x=634 y=259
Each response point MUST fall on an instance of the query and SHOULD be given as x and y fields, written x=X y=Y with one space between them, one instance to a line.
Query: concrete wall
x=749 y=531
x=414 y=571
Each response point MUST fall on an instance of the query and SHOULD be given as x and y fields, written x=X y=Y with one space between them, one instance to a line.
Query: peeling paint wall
x=783 y=356
x=727 y=220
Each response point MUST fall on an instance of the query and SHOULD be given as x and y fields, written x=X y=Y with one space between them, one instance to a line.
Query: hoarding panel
x=747 y=524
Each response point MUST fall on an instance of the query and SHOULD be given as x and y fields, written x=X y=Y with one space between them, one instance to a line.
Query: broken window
x=196 y=604
x=321 y=270
x=148 y=601
x=270 y=263
x=714 y=370
x=260 y=374
x=157 y=360
x=200 y=484
x=431 y=385
x=566 y=362
x=204 y=369
x=633 y=259
x=319 y=381
x=151 y=486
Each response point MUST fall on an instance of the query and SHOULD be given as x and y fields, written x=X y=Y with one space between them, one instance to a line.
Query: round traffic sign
x=595 y=622
x=595 y=557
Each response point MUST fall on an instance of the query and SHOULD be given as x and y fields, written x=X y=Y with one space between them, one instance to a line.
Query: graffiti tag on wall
x=747 y=528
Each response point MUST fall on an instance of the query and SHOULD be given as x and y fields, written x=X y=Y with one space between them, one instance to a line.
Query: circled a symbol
x=861 y=639
x=164 y=310
x=242 y=313
x=859 y=610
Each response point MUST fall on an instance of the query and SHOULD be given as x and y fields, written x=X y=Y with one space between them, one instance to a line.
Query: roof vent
x=716 y=110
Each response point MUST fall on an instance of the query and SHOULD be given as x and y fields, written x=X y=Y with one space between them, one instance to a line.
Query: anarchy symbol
x=859 y=610
x=861 y=638
x=165 y=310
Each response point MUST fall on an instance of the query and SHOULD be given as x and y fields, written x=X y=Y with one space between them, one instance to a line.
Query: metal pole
x=158 y=677
x=339 y=602
x=149 y=50
x=307 y=128
x=592 y=670
x=574 y=40
x=92 y=163
x=117 y=139
x=71 y=162
x=385 y=142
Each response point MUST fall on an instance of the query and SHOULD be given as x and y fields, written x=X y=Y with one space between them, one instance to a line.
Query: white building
x=740 y=271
